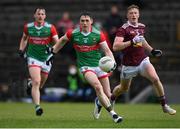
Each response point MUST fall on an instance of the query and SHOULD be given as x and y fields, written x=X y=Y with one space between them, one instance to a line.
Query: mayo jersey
x=86 y=46
x=39 y=38
x=132 y=56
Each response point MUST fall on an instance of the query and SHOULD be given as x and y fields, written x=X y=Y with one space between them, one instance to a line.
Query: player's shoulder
x=30 y=24
x=95 y=30
x=76 y=30
x=47 y=24
x=125 y=25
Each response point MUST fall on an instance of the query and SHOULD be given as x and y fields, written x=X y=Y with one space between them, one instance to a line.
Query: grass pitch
x=79 y=115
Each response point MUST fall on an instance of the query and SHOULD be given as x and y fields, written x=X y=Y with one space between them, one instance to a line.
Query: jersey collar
x=38 y=27
x=85 y=34
x=132 y=24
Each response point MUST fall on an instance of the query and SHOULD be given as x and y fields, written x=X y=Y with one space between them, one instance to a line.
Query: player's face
x=133 y=16
x=40 y=15
x=85 y=23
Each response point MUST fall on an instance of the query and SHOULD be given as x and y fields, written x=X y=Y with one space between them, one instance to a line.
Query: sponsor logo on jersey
x=85 y=48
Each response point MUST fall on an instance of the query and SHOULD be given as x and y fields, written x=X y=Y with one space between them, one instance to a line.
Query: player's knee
x=155 y=81
x=36 y=83
x=98 y=87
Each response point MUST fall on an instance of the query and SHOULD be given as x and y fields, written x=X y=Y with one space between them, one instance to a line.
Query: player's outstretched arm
x=53 y=50
x=60 y=43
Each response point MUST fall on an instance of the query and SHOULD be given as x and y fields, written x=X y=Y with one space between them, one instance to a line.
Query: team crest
x=85 y=40
x=94 y=40
x=132 y=32
x=38 y=32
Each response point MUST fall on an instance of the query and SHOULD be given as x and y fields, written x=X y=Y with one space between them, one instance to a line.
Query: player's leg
x=44 y=77
x=35 y=73
x=122 y=87
x=92 y=79
x=106 y=88
x=150 y=73
x=127 y=73
x=44 y=73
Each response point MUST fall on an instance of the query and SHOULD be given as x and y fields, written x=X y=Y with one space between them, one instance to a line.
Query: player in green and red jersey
x=37 y=36
x=87 y=42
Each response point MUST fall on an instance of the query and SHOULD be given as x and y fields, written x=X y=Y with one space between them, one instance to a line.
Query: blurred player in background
x=87 y=42
x=130 y=40
x=37 y=36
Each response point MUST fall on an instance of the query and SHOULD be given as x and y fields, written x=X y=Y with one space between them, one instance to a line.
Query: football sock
x=112 y=112
x=37 y=107
x=162 y=100
x=109 y=108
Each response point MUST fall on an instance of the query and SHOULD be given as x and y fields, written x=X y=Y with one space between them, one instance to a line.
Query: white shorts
x=36 y=63
x=96 y=70
x=129 y=72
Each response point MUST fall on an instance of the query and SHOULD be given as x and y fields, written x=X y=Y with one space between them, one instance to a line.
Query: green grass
x=79 y=115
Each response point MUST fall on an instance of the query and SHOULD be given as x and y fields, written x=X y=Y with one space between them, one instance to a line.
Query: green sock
x=37 y=107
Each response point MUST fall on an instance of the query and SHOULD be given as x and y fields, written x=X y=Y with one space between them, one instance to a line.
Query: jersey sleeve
x=120 y=32
x=102 y=37
x=53 y=31
x=69 y=33
x=25 y=29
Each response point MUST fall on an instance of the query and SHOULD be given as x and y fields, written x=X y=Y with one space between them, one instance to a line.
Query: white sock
x=112 y=112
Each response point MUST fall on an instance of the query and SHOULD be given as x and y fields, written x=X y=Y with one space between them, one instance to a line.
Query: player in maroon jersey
x=130 y=40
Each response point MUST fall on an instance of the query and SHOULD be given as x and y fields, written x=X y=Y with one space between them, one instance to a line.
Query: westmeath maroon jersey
x=132 y=56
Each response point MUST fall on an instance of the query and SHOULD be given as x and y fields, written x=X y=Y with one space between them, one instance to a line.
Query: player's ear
x=34 y=16
x=91 y=21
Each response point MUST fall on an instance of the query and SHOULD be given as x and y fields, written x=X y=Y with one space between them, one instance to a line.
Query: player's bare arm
x=55 y=39
x=106 y=49
x=147 y=47
x=119 y=44
x=60 y=43
x=154 y=52
x=23 y=42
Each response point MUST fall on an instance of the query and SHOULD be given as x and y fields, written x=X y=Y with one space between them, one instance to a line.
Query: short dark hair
x=132 y=6
x=86 y=14
x=40 y=8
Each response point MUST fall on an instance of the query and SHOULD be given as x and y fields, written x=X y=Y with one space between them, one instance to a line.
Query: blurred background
x=162 y=19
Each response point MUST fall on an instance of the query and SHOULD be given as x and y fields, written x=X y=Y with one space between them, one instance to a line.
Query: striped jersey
x=39 y=38
x=86 y=46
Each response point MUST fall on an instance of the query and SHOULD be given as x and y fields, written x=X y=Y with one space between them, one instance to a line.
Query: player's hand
x=22 y=54
x=137 y=41
x=115 y=65
x=156 y=53
x=50 y=58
